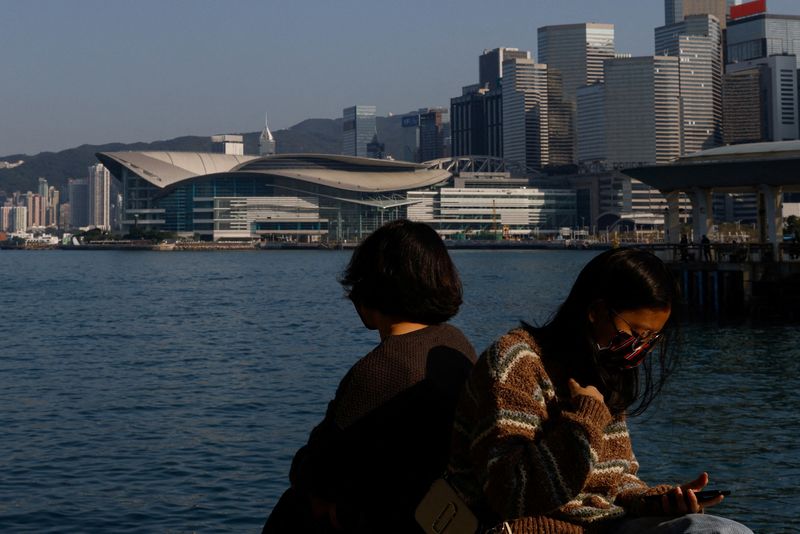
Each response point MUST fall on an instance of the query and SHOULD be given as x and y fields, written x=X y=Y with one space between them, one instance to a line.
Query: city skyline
x=198 y=68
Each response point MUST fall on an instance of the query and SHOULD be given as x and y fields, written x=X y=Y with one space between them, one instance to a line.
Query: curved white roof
x=777 y=149
x=164 y=169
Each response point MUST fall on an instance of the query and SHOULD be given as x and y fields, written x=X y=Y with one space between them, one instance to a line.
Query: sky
x=98 y=71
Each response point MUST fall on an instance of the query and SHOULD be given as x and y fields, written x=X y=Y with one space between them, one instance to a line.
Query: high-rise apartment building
x=697 y=42
x=763 y=35
x=99 y=189
x=53 y=201
x=574 y=55
x=13 y=218
x=358 y=130
x=490 y=64
x=266 y=141
x=643 y=112
x=525 y=113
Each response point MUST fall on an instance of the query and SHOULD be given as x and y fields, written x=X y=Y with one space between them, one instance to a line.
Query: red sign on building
x=749 y=9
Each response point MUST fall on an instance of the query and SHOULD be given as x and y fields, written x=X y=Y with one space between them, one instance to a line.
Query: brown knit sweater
x=525 y=452
x=386 y=434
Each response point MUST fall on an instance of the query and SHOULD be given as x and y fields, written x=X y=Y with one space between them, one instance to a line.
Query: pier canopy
x=766 y=169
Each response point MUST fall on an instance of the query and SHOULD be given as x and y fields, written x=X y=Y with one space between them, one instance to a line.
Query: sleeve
x=635 y=495
x=529 y=464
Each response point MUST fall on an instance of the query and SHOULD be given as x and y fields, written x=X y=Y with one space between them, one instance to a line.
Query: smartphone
x=707 y=495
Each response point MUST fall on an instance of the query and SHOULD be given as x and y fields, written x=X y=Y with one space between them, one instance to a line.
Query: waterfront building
x=227 y=144
x=266 y=141
x=476 y=122
x=304 y=197
x=761 y=100
x=574 y=55
x=491 y=207
x=358 y=130
x=643 y=112
x=78 y=190
x=525 y=113
x=490 y=64
x=13 y=219
x=697 y=42
x=99 y=197
x=763 y=35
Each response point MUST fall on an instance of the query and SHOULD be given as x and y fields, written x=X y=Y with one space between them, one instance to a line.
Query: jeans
x=687 y=524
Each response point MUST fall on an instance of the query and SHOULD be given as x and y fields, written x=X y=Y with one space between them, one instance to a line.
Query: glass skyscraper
x=358 y=130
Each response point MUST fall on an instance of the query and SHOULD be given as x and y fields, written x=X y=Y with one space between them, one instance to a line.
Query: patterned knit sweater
x=525 y=452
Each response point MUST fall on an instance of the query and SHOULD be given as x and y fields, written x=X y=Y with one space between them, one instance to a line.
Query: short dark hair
x=403 y=269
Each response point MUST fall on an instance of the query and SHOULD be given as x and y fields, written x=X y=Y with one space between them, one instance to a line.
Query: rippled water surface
x=167 y=392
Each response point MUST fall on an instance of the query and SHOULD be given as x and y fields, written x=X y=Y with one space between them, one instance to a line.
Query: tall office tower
x=476 y=122
x=43 y=187
x=490 y=64
x=433 y=126
x=678 y=10
x=227 y=144
x=762 y=100
x=591 y=124
x=99 y=182
x=358 y=129
x=574 y=55
x=266 y=142
x=643 y=112
x=763 y=35
x=697 y=42
x=525 y=113
x=78 y=189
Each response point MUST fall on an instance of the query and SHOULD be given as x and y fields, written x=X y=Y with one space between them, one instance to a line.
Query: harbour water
x=167 y=392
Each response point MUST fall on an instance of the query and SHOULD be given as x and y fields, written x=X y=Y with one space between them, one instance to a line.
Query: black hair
x=403 y=270
x=622 y=279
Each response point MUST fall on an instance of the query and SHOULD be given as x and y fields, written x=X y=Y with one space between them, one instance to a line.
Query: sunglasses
x=627 y=350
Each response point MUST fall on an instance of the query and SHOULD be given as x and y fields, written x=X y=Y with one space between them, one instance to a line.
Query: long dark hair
x=403 y=269
x=622 y=279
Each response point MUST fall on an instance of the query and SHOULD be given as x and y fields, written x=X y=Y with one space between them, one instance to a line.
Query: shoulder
x=513 y=348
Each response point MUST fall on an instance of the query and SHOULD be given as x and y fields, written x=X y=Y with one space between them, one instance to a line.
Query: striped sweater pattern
x=525 y=452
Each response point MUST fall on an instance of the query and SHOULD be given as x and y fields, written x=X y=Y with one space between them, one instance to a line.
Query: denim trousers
x=687 y=524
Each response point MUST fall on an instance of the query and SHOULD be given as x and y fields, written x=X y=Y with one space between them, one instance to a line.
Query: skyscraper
x=762 y=98
x=490 y=64
x=591 y=124
x=78 y=189
x=227 y=144
x=433 y=126
x=525 y=113
x=643 y=113
x=358 y=130
x=99 y=197
x=574 y=55
x=697 y=42
x=266 y=142
x=678 y=10
x=763 y=35
x=476 y=122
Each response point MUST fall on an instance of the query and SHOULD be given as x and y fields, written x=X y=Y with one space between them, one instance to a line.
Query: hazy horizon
x=96 y=72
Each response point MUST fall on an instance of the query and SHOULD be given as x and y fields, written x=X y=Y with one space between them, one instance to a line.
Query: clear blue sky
x=98 y=71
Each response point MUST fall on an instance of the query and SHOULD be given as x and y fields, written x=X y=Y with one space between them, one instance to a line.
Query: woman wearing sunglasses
x=540 y=442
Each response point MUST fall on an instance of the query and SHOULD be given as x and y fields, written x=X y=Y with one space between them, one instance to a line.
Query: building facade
x=227 y=144
x=490 y=64
x=78 y=191
x=358 y=130
x=476 y=122
x=643 y=112
x=525 y=113
x=763 y=35
x=574 y=55
x=99 y=197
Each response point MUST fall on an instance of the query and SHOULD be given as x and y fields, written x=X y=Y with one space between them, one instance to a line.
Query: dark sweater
x=386 y=434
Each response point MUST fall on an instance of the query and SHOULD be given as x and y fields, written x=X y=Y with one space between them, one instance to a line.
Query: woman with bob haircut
x=540 y=442
x=386 y=433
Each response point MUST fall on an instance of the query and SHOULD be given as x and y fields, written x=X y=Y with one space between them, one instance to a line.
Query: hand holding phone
x=707 y=495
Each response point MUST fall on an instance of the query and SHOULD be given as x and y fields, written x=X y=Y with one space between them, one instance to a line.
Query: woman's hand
x=682 y=500
x=576 y=389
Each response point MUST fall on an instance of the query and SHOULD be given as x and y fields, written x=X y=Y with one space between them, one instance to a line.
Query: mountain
x=322 y=136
